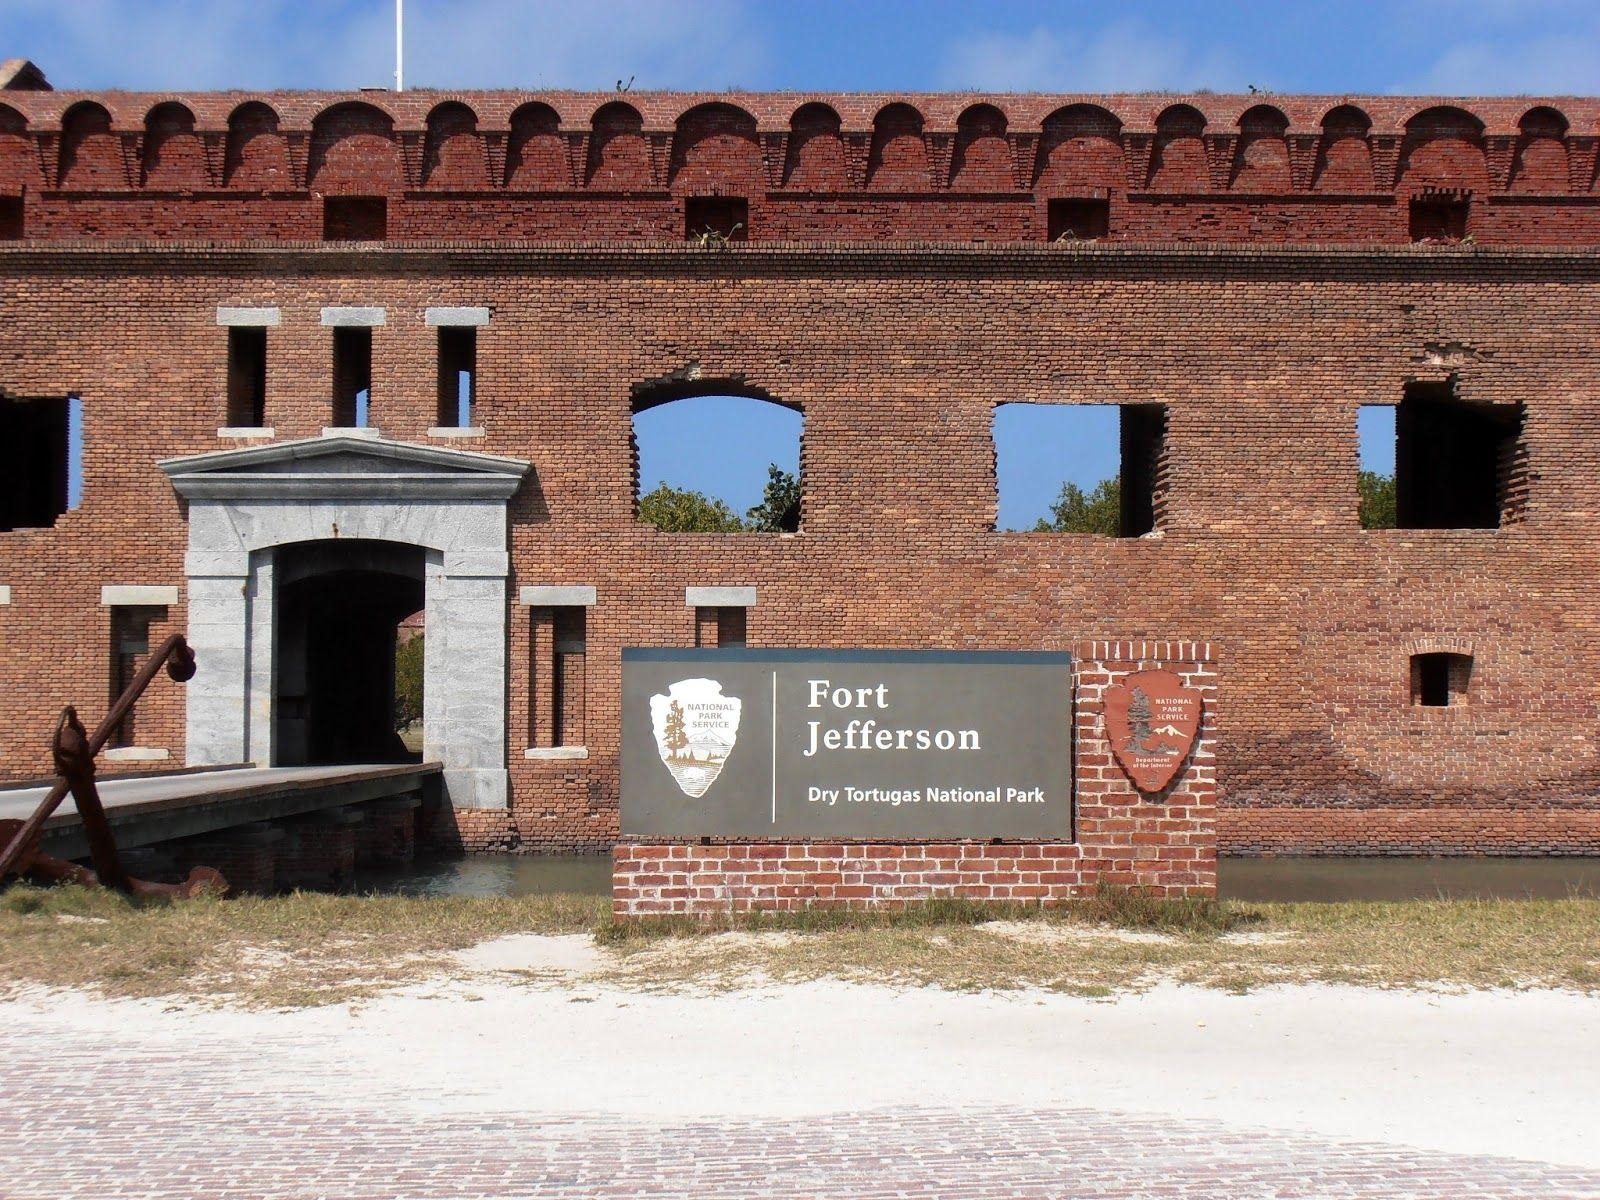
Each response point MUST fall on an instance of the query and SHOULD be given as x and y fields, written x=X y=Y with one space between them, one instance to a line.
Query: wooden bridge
x=267 y=828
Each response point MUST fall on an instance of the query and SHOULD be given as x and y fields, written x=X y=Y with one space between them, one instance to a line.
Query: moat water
x=1264 y=879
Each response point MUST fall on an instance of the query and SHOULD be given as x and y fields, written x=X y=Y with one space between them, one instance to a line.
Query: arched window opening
x=711 y=462
x=1080 y=468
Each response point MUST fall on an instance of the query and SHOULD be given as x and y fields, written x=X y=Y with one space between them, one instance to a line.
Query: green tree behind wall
x=680 y=510
x=408 y=658
x=1378 y=506
x=1076 y=511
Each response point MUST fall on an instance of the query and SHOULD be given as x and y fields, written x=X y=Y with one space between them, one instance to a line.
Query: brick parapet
x=966 y=166
x=1163 y=842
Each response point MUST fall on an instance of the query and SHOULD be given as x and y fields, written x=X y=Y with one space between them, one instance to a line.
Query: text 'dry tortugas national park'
x=347 y=388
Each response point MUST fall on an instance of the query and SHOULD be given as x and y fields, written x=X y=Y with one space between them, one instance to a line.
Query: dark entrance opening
x=340 y=605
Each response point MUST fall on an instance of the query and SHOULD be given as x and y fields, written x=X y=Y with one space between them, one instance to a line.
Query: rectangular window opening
x=1375 y=439
x=716 y=218
x=1458 y=465
x=1440 y=680
x=352 y=376
x=570 y=675
x=41 y=461
x=1079 y=220
x=130 y=646
x=11 y=218
x=1080 y=468
x=1439 y=217
x=355 y=218
x=458 y=370
x=247 y=376
x=720 y=627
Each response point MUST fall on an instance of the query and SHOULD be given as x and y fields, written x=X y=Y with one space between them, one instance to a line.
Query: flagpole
x=399 y=45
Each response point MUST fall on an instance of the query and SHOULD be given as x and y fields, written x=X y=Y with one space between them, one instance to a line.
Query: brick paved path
x=131 y=1118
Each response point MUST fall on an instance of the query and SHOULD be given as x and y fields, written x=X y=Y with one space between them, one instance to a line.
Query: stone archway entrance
x=252 y=514
x=340 y=605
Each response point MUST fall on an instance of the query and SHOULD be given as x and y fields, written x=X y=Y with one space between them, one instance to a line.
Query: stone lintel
x=559 y=596
x=352 y=317
x=113 y=594
x=719 y=597
x=135 y=754
x=255 y=317
x=478 y=315
x=5 y=594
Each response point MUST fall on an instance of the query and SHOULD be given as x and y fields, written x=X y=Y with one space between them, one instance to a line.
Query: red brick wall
x=1261 y=354
x=949 y=167
x=1165 y=842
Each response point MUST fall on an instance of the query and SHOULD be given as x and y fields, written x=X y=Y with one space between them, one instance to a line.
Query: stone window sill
x=556 y=752
x=135 y=754
x=243 y=432
x=457 y=431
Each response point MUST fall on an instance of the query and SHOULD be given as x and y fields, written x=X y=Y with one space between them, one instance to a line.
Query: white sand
x=1484 y=1072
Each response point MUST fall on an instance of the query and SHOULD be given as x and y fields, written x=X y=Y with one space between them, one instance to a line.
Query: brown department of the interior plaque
x=1152 y=721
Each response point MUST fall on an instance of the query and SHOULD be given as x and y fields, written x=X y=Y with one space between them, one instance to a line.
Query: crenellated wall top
x=937 y=112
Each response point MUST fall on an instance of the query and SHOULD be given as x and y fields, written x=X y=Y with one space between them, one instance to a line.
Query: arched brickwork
x=257 y=154
x=816 y=158
x=851 y=168
x=1443 y=148
x=536 y=159
x=619 y=157
x=453 y=156
x=91 y=154
x=714 y=151
x=19 y=160
x=898 y=160
x=353 y=151
x=174 y=159
x=1540 y=165
x=1178 y=163
x=1080 y=152
x=1344 y=154
x=1261 y=159
x=982 y=159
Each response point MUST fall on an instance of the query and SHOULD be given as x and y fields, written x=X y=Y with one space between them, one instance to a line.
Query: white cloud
x=190 y=44
x=1551 y=66
x=1123 y=56
x=1499 y=47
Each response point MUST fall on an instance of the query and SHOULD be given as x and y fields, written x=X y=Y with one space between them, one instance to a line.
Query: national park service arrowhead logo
x=696 y=727
x=1152 y=721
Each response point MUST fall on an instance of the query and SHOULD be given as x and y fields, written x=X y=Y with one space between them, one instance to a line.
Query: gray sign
x=850 y=744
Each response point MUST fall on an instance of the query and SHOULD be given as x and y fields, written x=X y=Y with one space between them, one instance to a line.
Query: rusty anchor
x=73 y=751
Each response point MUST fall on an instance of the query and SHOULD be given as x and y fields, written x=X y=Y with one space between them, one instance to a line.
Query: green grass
x=307 y=948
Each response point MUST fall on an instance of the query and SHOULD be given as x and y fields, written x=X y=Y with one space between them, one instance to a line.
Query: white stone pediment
x=246 y=504
x=345 y=468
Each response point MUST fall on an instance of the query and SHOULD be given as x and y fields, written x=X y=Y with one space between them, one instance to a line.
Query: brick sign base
x=1166 y=841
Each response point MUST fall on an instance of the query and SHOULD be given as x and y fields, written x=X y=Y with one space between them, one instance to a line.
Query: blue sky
x=1406 y=46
